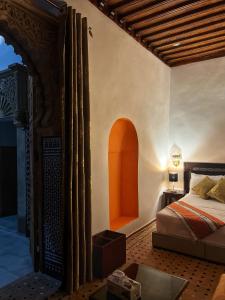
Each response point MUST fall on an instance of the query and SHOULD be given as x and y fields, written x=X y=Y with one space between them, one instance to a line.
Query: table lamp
x=173 y=177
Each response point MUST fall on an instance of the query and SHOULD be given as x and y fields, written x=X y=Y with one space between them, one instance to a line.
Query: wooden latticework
x=176 y=31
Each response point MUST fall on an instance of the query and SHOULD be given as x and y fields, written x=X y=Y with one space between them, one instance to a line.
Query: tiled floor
x=203 y=276
x=9 y=223
x=15 y=260
x=34 y=286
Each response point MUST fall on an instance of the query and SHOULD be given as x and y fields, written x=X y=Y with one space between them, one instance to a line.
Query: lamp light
x=175 y=155
x=173 y=177
x=175 y=160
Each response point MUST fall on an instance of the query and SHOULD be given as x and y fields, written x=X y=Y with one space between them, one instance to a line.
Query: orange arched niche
x=123 y=174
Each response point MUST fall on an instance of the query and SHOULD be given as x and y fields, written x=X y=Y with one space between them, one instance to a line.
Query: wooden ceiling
x=176 y=31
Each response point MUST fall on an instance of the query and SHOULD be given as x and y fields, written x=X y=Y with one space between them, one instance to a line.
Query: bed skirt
x=200 y=249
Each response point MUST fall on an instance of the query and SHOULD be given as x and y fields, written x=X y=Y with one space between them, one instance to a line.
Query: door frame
x=35 y=28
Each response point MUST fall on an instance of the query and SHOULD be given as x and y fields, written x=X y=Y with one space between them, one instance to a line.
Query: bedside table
x=172 y=196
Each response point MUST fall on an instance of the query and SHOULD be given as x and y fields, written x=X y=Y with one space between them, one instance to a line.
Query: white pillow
x=196 y=178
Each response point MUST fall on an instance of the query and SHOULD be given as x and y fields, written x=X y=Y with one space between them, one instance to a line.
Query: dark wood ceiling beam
x=104 y=7
x=176 y=31
x=178 y=26
x=204 y=38
x=193 y=46
x=145 y=22
x=201 y=49
x=180 y=38
x=151 y=9
x=132 y=6
x=197 y=57
x=116 y=3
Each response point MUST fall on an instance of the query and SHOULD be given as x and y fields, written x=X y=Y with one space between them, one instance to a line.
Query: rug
x=203 y=276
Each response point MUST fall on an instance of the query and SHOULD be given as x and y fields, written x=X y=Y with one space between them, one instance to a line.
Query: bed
x=172 y=234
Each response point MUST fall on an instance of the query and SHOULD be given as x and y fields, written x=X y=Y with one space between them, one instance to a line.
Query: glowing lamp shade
x=173 y=177
x=175 y=155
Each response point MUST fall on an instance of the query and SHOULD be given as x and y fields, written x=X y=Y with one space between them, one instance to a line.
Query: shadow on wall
x=211 y=148
x=156 y=182
x=123 y=174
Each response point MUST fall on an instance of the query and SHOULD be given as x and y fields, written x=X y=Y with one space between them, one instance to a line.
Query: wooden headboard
x=201 y=168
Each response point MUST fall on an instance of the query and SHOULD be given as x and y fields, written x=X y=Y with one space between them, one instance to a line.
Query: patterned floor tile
x=203 y=276
x=35 y=286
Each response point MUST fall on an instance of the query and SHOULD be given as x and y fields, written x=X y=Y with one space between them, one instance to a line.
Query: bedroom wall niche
x=123 y=174
x=148 y=79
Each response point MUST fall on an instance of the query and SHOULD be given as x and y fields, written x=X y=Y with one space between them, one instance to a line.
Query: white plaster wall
x=197 y=111
x=125 y=81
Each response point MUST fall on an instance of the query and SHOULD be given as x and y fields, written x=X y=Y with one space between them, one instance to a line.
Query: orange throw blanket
x=199 y=223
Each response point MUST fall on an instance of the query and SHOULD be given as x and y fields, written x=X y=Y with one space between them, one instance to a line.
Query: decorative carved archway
x=13 y=95
x=35 y=29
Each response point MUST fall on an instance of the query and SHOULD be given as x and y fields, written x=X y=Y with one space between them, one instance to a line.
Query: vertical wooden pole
x=87 y=150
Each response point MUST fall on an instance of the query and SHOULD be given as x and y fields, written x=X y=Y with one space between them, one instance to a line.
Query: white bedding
x=167 y=222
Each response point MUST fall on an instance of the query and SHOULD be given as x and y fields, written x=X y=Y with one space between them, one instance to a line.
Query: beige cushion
x=196 y=178
x=204 y=186
x=218 y=191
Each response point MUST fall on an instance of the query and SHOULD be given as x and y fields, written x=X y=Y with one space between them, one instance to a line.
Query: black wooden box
x=109 y=252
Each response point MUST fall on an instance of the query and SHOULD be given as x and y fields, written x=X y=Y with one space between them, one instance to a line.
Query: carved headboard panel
x=201 y=168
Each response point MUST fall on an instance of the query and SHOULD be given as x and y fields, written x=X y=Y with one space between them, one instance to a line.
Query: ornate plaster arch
x=36 y=30
x=35 y=35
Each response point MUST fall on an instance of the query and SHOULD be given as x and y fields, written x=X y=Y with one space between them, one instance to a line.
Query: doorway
x=15 y=254
x=36 y=31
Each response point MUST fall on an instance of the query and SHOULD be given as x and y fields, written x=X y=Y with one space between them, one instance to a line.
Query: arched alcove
x=123 y=174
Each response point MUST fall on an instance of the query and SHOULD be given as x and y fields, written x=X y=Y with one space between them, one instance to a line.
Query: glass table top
x=155 y=285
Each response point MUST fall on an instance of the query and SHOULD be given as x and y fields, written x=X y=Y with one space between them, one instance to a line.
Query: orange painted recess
x=123 y=174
